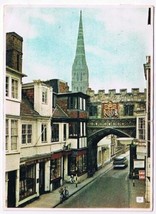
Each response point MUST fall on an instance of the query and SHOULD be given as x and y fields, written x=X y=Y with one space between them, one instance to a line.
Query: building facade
x=14 y=52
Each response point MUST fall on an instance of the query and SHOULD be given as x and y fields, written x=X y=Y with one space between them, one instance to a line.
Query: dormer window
x=44 y=95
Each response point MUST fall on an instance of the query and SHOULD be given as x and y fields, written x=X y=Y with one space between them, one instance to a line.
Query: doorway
x=11 y=189
x=41 y=177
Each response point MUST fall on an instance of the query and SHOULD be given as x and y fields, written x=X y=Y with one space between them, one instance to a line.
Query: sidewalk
x=52 y=200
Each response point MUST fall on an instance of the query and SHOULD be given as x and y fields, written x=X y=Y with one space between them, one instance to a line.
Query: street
x=111 y=190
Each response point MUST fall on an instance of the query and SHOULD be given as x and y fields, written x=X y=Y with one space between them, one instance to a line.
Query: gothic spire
x=80 y=74
x=80 y=50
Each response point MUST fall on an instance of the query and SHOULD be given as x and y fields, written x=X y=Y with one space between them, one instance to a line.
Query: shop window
x=44 y=133
x=55 y=168
x=77 y=165
x=55 y=132
x=27 y=181
x=26 y=133
x=81 y=162
x=71 y=165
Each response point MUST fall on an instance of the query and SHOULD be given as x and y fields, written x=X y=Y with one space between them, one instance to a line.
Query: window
x=11 y=87
x=7 y=86
x=73 y=129
x=18 y=57
x=11 y=134
x=128 y=110
x=72 y=103
x=54 y=100
x=55 y=168
x=141 y=128
x=84 y=104
x=44 y=95
x=27 y=181
x=64 y=132
x=26 y=133
x=14 y=89
x=44 y=133
x=55 y=132
x=92 y=110
x=77 y=164
x=14 y=134
x=7 y=134
x=83 y=129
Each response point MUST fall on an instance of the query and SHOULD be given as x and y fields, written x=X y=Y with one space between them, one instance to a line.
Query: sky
x=117 y=40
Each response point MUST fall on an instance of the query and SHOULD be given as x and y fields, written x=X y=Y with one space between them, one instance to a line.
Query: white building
x=12 y=112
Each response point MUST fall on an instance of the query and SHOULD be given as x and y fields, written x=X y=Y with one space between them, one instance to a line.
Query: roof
x=27 y=108
x=59 y=113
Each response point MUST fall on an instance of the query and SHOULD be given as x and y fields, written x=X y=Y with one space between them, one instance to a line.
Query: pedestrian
x=65 y=193
x=72 y=179
x=61 y=191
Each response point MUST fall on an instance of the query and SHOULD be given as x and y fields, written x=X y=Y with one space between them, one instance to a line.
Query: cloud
x=23 y=20
x=38 y=70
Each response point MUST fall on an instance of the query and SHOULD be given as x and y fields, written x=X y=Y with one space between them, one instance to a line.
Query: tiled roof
x=59 y=113
x=27 y=108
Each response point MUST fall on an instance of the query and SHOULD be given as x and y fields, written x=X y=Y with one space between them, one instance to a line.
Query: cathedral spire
x=80 y=50
x=79 y=68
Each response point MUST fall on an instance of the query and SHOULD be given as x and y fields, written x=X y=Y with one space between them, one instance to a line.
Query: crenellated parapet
x=116 y=104
x=122 y=96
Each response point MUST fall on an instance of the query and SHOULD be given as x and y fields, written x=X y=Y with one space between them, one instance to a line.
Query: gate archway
x=93 y=141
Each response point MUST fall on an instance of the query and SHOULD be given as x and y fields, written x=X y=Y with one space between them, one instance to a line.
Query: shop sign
x=56 y=155
x=139 y=163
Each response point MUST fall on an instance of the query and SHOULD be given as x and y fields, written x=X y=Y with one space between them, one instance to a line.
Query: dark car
x=120 y=162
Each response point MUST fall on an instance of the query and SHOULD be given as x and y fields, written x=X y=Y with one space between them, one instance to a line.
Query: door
x=11 y=189
x=41 y=177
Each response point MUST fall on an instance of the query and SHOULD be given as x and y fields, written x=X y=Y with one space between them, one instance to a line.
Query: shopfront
x=77 y=162
x=27 y=182
x=56 y=170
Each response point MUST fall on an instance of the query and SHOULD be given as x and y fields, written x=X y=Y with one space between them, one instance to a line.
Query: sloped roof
x=27 y=108
x=59 y=113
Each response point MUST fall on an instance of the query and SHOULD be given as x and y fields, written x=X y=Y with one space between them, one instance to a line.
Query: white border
x=60 y=3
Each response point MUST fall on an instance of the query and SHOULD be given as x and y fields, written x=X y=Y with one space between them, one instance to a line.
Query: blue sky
x=117 y=41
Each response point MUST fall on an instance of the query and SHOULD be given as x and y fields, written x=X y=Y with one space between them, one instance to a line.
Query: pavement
x=52 y=199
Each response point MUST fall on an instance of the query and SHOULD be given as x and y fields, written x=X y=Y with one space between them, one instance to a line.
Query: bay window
x=55 y=132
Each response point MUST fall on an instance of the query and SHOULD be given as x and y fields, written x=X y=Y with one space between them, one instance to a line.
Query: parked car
x=120 y=162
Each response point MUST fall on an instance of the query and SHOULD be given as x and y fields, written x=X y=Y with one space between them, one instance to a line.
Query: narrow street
x=110 y=190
